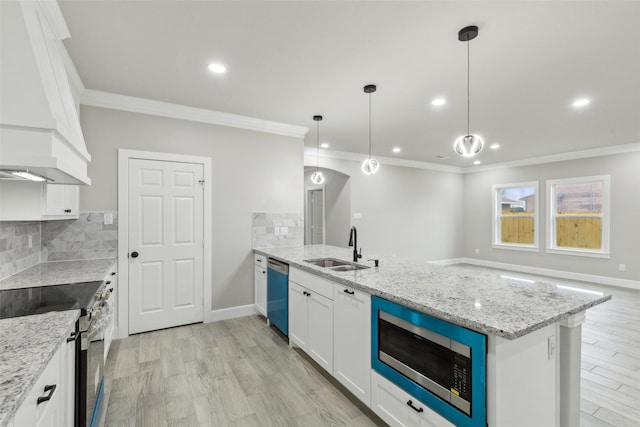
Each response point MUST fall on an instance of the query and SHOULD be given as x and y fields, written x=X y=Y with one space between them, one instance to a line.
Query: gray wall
x=625 y=211
x=252 y=172
x=412 y=213
x=337 y=205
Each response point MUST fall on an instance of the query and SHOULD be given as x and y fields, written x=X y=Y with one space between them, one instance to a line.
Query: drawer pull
x=50 y=389
x=305 y=293
x=410 y=403
x=347 y=291
x=67 y=211
x=113 y=273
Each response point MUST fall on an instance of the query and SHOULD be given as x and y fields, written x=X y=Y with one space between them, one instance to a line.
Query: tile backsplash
x=15 y=253
x=274 y=229
x=87 y=237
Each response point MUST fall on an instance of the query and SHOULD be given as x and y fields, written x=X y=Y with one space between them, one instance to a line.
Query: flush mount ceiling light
x=370 y=165
x=494 y=146
x=438 y=102
x=470 y=144
x=217 y=68
x=317 y=177
x=396 y=149
x=581 y=102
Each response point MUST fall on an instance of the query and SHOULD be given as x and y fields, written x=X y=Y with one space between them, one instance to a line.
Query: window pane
x=585 y=198
x=517 y=205
x=579 y=232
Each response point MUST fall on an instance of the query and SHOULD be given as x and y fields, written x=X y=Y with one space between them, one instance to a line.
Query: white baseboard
x=229 y=313
x=451 y=261
x=591 y=278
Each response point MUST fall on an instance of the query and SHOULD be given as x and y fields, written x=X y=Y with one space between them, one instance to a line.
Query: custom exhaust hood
x=39 y=127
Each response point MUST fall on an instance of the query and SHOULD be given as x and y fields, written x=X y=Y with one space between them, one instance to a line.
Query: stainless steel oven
x=440 y=363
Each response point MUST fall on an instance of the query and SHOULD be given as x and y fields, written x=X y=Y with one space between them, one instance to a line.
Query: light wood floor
x=241 y=373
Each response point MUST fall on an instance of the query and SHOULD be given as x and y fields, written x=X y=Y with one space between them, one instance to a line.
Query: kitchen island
x=532 y=326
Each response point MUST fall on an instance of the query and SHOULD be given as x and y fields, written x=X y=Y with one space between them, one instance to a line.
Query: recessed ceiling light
x=477 y=162
x=324 y=145
x=581 y=102
x=494 y=146
x=438 y=102
x=217 y=68
x=396 y=149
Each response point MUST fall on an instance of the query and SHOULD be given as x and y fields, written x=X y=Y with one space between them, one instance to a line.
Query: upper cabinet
x=39 y=125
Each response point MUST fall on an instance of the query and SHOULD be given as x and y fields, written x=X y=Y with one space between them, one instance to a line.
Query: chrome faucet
x=353 y=241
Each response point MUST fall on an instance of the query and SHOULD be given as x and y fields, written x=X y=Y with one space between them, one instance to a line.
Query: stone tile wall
x=15 y=253
x=84 y=238
x=268 y=229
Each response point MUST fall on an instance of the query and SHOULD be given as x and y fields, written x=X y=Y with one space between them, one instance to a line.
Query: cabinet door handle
x=347 y=291
x=305 y=293
x=72 y=337
x=113 y=273
x=67 y=211
x=410 y=403
x=50 y=389
x=108 y=282
x=264 y=272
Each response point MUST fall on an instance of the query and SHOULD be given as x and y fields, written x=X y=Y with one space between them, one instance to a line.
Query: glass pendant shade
x=317 y=178
x=468 y=145
x=370 y=166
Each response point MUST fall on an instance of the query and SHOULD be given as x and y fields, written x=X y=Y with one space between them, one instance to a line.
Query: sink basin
x=350 y=267
x=327 y=262
x=336 y=264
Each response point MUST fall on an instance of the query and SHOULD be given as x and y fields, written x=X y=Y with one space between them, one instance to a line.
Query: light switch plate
x=108 y=219
x=357 y=215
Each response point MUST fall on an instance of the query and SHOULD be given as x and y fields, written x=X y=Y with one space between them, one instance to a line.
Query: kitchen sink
x=336 y=264
x=327 y=262
x=350 y=267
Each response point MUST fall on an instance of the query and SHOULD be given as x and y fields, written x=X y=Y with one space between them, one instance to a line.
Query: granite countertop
x=27 y=344
x=506 y=305
x=58 y=273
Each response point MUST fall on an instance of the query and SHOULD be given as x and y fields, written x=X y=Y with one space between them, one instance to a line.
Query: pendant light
x=470 y=144
x=317 y=177
x=370 y=165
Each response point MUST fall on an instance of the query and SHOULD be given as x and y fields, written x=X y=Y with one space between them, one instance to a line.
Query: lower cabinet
x=398 y=408
x=51 y=400
x=260 y=284
x=352 y=340
x=311 y=322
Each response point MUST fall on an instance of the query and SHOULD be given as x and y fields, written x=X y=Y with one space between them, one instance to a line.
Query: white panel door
x=165 y=244
x=316 y=201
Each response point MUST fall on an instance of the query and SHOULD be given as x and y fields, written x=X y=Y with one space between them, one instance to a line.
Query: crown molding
x=561 y=157
x=573 y=155
x=357 y=157
x=95 y=98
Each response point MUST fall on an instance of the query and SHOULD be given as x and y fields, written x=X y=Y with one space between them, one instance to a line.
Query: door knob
x=134 y=254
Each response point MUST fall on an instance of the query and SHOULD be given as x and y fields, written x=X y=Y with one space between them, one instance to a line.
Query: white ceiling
x=290 y=60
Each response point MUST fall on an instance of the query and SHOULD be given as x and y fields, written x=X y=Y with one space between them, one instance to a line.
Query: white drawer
x=260 y=260
x=312 y=282
x=392 y=404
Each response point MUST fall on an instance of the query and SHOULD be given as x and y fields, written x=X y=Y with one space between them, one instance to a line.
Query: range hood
x=39 y=126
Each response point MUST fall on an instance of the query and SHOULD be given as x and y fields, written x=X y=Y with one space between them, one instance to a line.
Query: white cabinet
x=61 y=201
x=51 y=400
x=260 y=283
x=352 y=340
x=311 y=316
x=31 y=201
x=398 y=408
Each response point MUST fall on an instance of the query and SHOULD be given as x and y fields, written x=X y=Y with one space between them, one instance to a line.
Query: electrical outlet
x=357 y=215
x=477 y=251
x=108 y=219
x=276 y=231
x=284 y=231
x=622 y=267
x=30 y=241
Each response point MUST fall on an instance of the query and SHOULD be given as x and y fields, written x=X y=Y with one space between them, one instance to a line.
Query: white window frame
x=604 y=252
x=496 y=228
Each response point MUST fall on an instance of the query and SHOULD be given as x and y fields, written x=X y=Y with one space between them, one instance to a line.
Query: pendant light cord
x=468 y=96
x=369 y=125
x=318 y=146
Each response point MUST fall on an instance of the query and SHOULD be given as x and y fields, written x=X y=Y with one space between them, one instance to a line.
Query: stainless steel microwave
x=441 y=364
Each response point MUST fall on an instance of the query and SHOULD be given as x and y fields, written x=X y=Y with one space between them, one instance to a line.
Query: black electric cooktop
x=28 y=301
